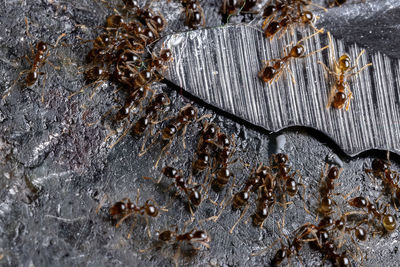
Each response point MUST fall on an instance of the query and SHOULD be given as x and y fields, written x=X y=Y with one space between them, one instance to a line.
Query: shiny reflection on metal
x=220 y=66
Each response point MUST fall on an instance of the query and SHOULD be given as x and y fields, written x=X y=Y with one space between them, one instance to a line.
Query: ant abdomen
x=118 y=209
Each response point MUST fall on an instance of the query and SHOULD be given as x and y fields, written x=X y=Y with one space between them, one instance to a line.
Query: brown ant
x=266 y=200
x=253 y=184
x=271 y=73
x=194 y=15
x=124 y=208
x=381 y=169
x=388 y=220
x=304 y=234
x=39 y=60
x=191 y=238
x=205 y=147
x=151 y=112
x=327 y=187
x=340 y=94
x=187 y=115
x=192 y=193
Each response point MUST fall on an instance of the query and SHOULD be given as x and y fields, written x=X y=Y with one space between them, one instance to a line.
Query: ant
x=340 y=94
x=306 y=233
x=124 y=208
x=39 y=60
x=194 y=14
x=152 y=111
x=271 y=73
x=253 y=184
x=132 y=101
x=266 y=200
x=388 y=220
x=327 y=187
x=192 y=193
x=195 y=236
x=381 y=169
x=187 y=115
x=205 y=147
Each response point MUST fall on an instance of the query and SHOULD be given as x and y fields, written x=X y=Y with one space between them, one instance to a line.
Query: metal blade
x=220 y=66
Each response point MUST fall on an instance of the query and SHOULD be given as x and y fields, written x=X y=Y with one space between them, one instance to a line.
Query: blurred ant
x=194 y=14
x=151 y=113
x=190 y=238
x=193 y=194
x=304 y=234
x=340 y=94
x=253 y=184
x=40 y=58
x=205 y=147
x=381 y=169
x=271 y=73
x=187 y=115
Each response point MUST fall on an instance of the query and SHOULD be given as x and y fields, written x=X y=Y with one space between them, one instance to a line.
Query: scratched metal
x=224 y=63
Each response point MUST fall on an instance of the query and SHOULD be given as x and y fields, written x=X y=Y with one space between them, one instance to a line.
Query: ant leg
x=44 y=85
x=122 y=219
x=161 y=153
x=330 y=98
x=19 y=77
x=311 y=36
x=349 y=97
x=291 y=74
x=122 y=136
x=102 y=201
x=131 y=228
x=240 y=218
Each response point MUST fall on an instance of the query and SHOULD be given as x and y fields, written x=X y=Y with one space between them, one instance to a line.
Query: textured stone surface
x=55 y=168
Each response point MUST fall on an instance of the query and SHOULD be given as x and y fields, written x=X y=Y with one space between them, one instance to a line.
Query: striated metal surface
x=224 y=63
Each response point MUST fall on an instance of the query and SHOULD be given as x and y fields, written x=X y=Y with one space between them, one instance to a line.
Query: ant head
x=118 y=208
x=166 y=54
x=41 y=46
x=379 y=165
x=162 y=99
x=344 y=62
x=280 y=158
x=195 y=197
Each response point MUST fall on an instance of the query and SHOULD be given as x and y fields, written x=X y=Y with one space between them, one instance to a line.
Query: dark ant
x=152 y=111
x=124 y=208
x=253 y=184
x=229 y=7
x=39 y=60
x=333 y=3
x=327 y=187
x=340 y=94
x=304 y=234
x=272 y=73
x=205 y=147
x=187 y=115
x=226 y=149
x=381 y=169
x=194 y=15
x=192 y=193
x=266 y=200
x=191 y=238
x=132 y=101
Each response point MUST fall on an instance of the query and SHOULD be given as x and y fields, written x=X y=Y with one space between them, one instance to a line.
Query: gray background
x=55 y=168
